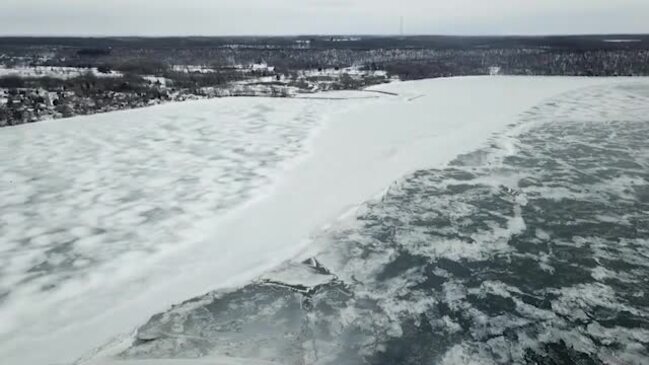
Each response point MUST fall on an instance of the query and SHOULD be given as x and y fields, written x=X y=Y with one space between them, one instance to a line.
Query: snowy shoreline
x=356 y=154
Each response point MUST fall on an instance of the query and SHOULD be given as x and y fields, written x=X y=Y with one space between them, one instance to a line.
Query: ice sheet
x=492 y=259
x=88 y=204
x=111 y=218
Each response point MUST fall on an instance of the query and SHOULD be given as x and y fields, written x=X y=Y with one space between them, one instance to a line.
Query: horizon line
x=297 y=35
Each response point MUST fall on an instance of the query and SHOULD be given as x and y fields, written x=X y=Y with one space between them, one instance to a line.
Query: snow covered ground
x=106 y=220
x=54 y=72
x=333 y=72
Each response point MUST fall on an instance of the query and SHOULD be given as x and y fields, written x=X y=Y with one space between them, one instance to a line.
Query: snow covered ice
x=107 y=220
x=88 y=203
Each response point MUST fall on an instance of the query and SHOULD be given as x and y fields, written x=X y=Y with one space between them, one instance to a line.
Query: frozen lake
x=109 y=219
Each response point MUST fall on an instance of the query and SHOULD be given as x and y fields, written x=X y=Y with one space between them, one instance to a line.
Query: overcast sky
x=274 y=17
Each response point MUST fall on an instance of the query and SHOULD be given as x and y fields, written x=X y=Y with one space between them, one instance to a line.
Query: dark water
x=534 y=250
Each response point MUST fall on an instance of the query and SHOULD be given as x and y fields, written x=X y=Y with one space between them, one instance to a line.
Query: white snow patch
x=54 y=72
x=193 y=69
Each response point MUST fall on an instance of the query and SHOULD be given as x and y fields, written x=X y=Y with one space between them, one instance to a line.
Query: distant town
x=49 y=78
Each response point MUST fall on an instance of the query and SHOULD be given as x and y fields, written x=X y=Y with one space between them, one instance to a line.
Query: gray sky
x=271 y=17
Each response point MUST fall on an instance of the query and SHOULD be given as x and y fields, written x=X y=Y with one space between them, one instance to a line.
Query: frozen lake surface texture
x=479 y=220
